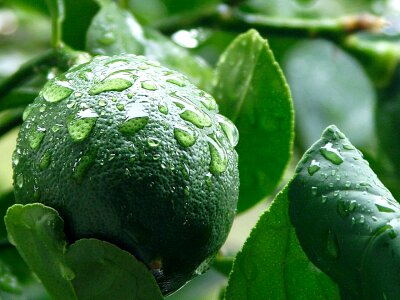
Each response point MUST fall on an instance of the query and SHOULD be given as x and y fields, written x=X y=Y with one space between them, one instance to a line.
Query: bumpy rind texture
x=125 y=151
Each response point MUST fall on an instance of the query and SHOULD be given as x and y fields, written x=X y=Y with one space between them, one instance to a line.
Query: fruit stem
x=223 y=264
x=233 y=19
x=10 y=119
x=25 y=72
x=56 y=8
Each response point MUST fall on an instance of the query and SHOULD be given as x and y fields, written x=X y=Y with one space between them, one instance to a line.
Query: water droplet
x=36 y=137
x=185 y=136
x=107 y=39
x=314 y=190
x=348 y=147
x=45 y=160
x=362 y=219
x=196 y=117
x=186 y=191
x=120 y=106
x=324 y=198
x=55 y=91
x=340 y=134
x=156 y=156
x=20 y=180
x=148 y=85
x=15 y=158
x=313 y=167
x=153 y=142
x=332 y=245
x=219 y=161
x=127 y=172
x=102 y=102
x=136 y=119
x=176 y=81
x=382 y=205
x=347 y=184
x=56 y=127
x=207 y=101
x=81 y=125
x=27 y=112
x=42 y=108
x=71 y=104
x=112 y=84
x=163 y=108
x=84 y=163
x=229 y=129
x=9 y=284
x=67 y=273
x=331 y=154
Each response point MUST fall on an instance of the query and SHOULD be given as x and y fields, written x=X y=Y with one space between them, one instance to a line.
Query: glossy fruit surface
x=132 y=153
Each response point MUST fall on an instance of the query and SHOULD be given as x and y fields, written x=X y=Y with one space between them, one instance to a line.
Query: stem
x=124 y=4
x=18 y=98
x=10 y=120
x=233 y=19
x=26 y=71
x=56 y=8
x=223 y=264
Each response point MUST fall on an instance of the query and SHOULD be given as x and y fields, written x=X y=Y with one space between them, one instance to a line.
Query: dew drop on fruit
x=55 y=128
x=185 y=136
x=112 y=84
x=120 y=106
x=20 y=180
x=102 y=103
x=153 y=142
x=36 y=137
x=55 y=91
x=163 y=108
x=176 y=81
x=45 y=160
x=195 y=116
x=219 y=161
x=348 y=147
x=27 y=112
x=313 y=167
x=331 y=154
x=229 y=129
x=80 y=125
x=332 y=245
x=84 y=164
x=15 y=157
x=207 y=101
x=136 y=119
x=148 y=85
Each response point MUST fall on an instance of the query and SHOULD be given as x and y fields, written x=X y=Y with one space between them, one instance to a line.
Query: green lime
x=132 y=153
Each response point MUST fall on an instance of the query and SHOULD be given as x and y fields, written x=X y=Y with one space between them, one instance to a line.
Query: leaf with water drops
x=345 y=219
x=37 y=232
x=118 y=275
x=272 y=265
x=115 y=31
x=252 y=92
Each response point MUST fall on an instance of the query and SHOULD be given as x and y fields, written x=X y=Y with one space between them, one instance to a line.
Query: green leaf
x=253 y=93
x=103 y=271
x=17 y=281
x=115 y=31
x=6 y=200
x=272 y=265
x=88 y=269
x=37 y=232
x=347 y=222
x=327 y=84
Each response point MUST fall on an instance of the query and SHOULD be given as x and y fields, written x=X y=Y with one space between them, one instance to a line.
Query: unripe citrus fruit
x=132 y=153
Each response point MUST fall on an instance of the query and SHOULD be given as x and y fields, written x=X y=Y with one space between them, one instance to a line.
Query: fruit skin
x=169 y=205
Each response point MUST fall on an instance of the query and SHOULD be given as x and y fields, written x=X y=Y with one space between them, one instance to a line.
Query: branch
x=10 y=119
x=56 y=8
x=27 y=71
x=233 y=19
